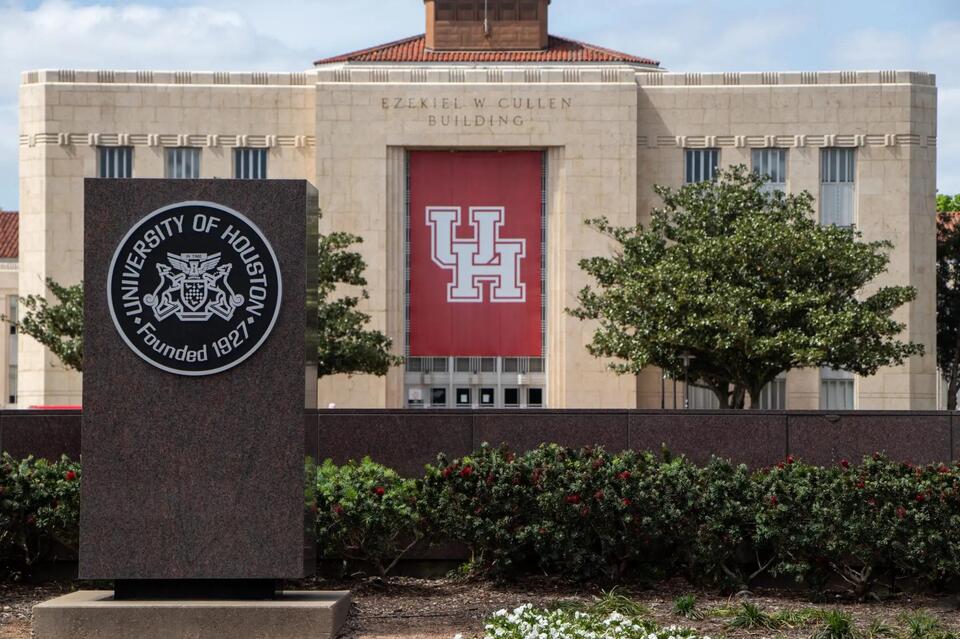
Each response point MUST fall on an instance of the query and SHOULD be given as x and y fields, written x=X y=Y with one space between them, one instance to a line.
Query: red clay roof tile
x=559 y=50
x=9 y=235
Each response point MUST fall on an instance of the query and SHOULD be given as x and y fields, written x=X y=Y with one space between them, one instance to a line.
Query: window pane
x=703 y=398
x=115 y=161
x=701 y=164
x=535 y=397
x=463 y=397
x=511 y=396
x=774 y=395
x=250 y=164
x=183 y=163
x=438 y=396
x=771 y=163
x=487 y=397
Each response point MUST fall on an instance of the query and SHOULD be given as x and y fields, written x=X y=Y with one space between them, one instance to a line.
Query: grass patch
x=686 y=606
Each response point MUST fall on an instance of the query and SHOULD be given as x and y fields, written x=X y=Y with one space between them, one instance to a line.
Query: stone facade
x=610 y=131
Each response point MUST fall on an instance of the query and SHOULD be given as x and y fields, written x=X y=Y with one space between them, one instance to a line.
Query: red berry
x=598 y=495
x=573 y=499
x=338 y=509
x=844 y=463
x=860 y=484
x=790 y=459
x=921 y=497
x=773 y=500
x=70 y=475
x=447 y=471
x=625 y=475
x=901 y=512
x=467 y=471
x=626 y=501
x=379 y=490
x=584 y=511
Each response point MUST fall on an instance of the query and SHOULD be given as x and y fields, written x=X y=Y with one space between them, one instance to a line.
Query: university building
x=468 y=159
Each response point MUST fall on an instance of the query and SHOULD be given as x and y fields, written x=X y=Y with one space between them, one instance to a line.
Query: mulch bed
x=440 y=608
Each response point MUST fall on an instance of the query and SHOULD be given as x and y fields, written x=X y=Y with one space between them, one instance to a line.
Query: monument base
x=86 y=614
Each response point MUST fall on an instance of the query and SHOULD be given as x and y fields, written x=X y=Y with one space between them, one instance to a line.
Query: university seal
x=194 y=288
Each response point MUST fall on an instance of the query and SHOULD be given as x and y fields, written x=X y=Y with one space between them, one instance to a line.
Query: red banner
x=475 y=250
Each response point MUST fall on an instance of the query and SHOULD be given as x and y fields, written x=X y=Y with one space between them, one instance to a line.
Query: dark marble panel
x=826 y=438
x=402 y=440
x=527 y=430
x=756 y=439
x=196 y=477
x=955 y=437
x=41 y=435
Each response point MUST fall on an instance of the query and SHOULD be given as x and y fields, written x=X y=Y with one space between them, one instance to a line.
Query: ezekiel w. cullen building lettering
x=550 y=130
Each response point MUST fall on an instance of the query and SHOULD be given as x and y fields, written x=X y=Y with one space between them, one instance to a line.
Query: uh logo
x=486 y=257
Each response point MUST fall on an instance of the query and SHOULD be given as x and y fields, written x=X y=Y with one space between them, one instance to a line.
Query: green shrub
x=39 y=510
x=365 y=513
x=587 y=514
x=578 y=513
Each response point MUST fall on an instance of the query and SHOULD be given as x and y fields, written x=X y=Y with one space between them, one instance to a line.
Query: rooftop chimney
x=486 y=25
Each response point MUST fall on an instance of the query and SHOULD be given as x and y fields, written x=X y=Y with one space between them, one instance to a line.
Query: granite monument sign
x=200 y=358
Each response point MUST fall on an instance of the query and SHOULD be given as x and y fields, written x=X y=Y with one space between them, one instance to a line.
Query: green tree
x=948 y=302
x=746 y=282
x=58 y=326
x=948 y=203
x=345 y=345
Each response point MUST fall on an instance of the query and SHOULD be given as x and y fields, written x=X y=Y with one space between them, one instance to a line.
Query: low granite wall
x=406 y=440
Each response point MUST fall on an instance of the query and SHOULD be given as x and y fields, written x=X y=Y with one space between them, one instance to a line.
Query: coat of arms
x=194 y=287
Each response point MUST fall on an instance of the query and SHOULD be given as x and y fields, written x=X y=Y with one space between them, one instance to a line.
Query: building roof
x=558 y=50
x=9 y=235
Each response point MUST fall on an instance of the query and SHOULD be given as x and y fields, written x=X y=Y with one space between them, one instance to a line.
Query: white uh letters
x=486 y=257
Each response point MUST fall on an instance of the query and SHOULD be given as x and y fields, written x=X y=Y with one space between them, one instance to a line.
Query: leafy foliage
x=948 y=203
x=686 y=606
x=346 y=344
x=527 y=621
x=585 y=514
x=39 y=510
x=365 y=513
x=948 y=302
x=748 y=283
x=58 y=326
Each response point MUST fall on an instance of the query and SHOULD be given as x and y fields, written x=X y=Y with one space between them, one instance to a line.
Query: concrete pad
x=86 y=614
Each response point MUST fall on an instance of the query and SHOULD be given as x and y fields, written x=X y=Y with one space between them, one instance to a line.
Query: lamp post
x=686 y=358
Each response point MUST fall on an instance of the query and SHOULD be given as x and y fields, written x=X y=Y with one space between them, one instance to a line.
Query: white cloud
x=289 y=34
x=65 y=34
x=932 y=49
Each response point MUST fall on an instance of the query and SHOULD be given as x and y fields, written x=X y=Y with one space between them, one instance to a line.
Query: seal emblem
x=194 y=288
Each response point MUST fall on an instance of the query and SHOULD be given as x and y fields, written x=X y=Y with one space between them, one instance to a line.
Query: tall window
x=250 y=164
x=774 y=395
x=12 y=351
x=703 y=398
x=837 y=171
x=772 y=164
x=700 y=164
x=115 y=161
x=836 y=389
x=183 y=163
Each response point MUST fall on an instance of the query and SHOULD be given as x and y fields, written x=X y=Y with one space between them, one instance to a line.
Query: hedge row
x=587 y=514
x=39 y=511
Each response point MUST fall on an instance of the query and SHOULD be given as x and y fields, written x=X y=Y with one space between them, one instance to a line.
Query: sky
x=287 y=35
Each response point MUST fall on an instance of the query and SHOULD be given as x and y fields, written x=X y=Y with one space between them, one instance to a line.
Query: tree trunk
x=755 y=400
x=953 y=374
